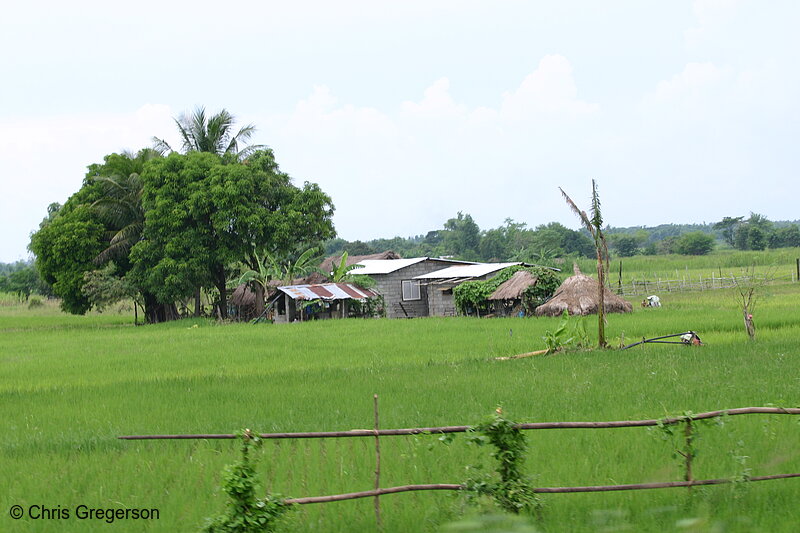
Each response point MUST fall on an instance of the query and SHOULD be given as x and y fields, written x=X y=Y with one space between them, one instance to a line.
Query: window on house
x=411 y=290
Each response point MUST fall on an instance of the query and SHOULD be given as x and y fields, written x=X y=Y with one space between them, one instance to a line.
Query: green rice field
x=69 y=385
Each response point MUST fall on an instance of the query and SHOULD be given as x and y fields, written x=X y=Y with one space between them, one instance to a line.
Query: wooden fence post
x=377 y=463
x=689 y=455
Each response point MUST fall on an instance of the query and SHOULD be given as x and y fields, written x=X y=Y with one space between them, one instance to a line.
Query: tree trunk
x=748 y=323
x=259 y=292
x=156 y=312
x=197 y=309
x=601 y=326
x=222 y=300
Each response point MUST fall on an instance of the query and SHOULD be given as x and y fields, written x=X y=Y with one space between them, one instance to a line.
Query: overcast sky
x=408 y=112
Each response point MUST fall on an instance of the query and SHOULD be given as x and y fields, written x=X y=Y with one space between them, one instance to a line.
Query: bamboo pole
x=377 y=464
x=463 y=429
x=540 y=490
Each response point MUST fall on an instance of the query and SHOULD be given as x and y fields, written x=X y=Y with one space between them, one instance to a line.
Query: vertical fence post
x=689 y=455
x=377 y=462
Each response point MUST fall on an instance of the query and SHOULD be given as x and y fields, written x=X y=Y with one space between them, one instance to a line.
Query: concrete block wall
x=391 y=287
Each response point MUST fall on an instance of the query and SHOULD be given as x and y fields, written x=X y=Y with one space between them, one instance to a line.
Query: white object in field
x=653 y=301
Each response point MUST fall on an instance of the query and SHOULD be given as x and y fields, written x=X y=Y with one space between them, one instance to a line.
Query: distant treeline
x=461 y=238
x=22 y=278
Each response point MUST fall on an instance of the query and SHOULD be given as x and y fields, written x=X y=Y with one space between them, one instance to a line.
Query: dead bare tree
x=595 y=227
x=747 y=289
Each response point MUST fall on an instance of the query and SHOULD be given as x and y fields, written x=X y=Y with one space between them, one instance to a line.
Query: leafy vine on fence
x=513 y=490
x=246 y=513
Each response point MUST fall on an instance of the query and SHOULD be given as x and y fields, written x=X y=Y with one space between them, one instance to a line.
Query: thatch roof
x=327 y=265
x=578 y=295
x=243 y=296
x=513 y=288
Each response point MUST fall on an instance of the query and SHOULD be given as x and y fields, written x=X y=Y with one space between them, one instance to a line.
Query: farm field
x=70 y=385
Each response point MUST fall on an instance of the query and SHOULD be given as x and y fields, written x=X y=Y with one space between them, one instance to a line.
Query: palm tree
x=213 y=134
x=121 y=202
x=120 y=208
x=595 y=227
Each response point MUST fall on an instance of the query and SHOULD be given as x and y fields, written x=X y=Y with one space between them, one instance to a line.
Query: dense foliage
x=172 y=224
x=473 y=295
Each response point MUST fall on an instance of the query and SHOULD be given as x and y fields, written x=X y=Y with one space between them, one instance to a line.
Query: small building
x=330 y=301
x=397 y=280
x=508 y=297
x=440 y=283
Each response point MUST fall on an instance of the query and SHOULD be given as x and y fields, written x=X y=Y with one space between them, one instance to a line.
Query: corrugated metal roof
x=327 y=291
x=387 y=266
x=467 y=271
x=384 y=266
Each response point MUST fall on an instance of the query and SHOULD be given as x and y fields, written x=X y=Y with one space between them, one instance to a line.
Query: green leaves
x=513 y=491
x=246 y=513
x=475 y=294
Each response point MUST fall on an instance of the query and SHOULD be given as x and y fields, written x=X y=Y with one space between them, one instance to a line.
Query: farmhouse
x=397 y=280
x=440 y=283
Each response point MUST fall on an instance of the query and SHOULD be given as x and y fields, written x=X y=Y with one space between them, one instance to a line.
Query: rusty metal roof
x=327 y=291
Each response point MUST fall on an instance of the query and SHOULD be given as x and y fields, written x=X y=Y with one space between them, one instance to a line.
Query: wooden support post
x=798 y=269
x=377 y=464
x=689 y=455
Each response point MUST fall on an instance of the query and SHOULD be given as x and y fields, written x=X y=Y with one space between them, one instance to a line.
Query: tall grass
x=70 y=385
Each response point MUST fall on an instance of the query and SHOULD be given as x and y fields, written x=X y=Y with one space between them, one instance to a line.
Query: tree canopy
x=185 y=219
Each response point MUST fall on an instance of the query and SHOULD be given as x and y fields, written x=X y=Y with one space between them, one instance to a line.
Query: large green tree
x=204 y=214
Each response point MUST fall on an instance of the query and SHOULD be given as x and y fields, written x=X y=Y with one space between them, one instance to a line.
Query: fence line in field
x=464 y=429
x=650 y=286
x=378 y=491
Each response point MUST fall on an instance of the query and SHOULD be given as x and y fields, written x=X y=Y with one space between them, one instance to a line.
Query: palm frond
x=581 y=214
x=161 y=146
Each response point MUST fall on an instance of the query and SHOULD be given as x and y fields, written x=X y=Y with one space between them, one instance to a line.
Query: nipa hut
x=508 y=296
x=578 y=295
x=242 y=303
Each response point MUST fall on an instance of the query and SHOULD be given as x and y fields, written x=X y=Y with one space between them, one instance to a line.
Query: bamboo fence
x=687 y=420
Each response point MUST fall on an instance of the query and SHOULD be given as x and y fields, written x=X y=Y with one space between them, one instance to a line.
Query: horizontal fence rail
x=539 y=490
x=464 y=429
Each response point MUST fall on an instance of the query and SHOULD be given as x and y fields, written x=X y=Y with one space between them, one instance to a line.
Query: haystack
x=578 y=295
x=513 y=288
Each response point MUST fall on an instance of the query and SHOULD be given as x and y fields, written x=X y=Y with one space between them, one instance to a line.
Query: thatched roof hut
x=578 y=295
x=513 y=288
x=243 y=296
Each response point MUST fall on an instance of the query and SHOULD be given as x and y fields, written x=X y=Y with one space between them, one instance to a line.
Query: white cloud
x=696 y=81
x=436 y=103
x=550 y=89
